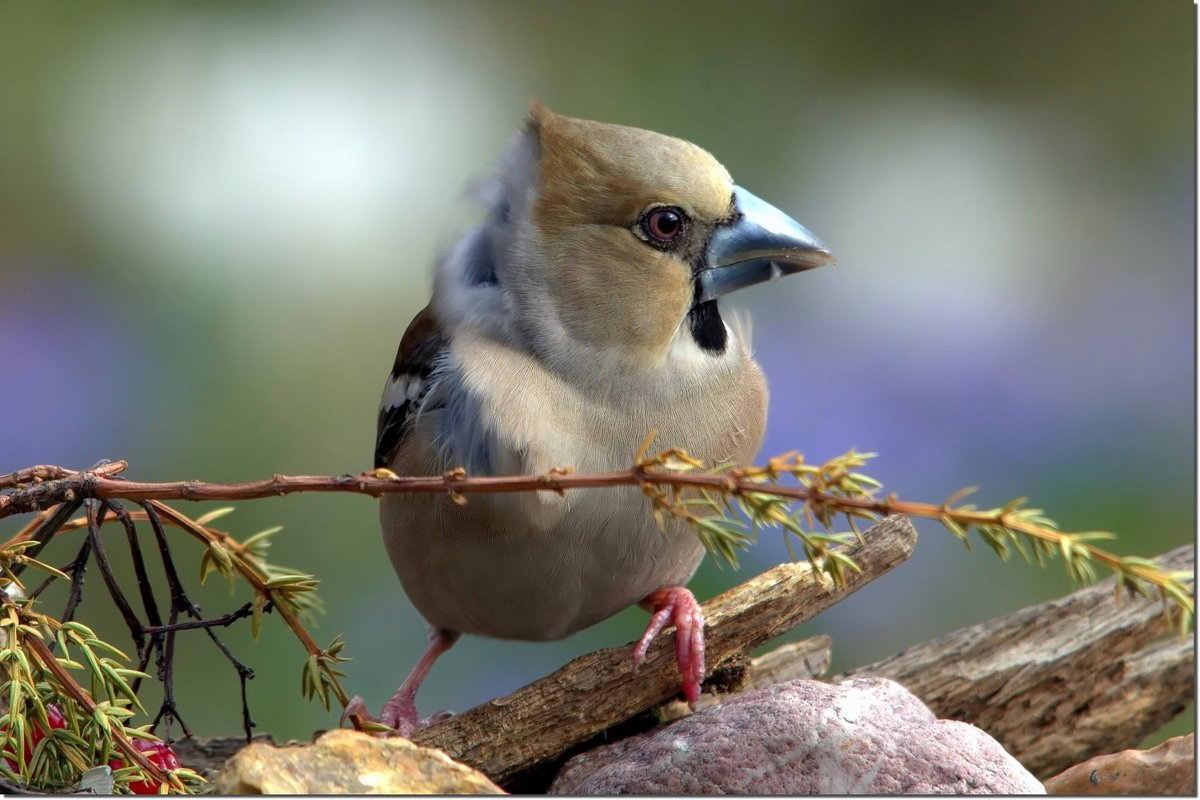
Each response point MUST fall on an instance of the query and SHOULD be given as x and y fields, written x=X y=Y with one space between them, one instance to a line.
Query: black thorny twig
x=154 y=638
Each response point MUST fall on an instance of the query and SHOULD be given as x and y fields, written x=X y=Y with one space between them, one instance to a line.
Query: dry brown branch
x=49 y=472
x=93 y=484
x=538 y=723
x=823 y=496
x=1062 y=681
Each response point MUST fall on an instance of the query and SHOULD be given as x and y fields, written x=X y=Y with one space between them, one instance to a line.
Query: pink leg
x=401 y=711
x=678 y=606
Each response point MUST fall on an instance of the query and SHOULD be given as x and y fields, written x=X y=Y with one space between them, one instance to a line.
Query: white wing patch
x=404 y=388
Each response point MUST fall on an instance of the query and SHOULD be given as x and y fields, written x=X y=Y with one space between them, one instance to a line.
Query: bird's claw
x=678 y=607
x=368 y=721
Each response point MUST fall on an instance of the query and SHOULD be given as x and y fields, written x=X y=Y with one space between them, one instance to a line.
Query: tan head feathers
x=599 y=173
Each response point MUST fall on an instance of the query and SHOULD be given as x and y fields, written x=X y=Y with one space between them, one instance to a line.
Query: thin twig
x=85 y=485
x=95 y=484
x=223 y=621
x=181 y=602
x=49 y=472
x=145 y=589
x=78 y=570
x=106 y=572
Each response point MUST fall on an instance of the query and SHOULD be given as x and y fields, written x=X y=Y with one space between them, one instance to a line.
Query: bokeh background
x=216 y=220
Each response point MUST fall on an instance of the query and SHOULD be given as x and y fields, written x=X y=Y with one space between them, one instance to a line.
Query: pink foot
x=400 y=712
x=399 y=716
x=678 y=607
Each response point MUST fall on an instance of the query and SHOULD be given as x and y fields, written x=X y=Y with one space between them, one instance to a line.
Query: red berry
x=55 y=717
x=36 y=734
x=158 y=753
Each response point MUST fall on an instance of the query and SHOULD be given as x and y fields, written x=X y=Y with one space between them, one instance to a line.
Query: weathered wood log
x=807 y=659
x=1059 y=682
x=536 y=724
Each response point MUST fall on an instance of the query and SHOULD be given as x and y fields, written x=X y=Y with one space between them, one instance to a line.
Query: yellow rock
x=349 y=762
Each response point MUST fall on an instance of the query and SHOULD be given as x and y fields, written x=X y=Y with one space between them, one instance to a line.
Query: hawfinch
x=583 y=313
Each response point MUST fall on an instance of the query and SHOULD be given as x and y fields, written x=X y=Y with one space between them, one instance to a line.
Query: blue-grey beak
x=762 y=244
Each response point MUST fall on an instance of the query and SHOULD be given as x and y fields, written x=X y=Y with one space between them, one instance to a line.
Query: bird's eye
x=663 y=225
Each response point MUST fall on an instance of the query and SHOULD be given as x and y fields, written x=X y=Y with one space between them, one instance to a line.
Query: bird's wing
x=420 y=348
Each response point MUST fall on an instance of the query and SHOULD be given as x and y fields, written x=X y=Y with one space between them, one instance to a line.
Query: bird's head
x=614 y=244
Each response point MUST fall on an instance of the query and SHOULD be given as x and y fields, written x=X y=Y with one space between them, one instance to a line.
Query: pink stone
x=865 y=736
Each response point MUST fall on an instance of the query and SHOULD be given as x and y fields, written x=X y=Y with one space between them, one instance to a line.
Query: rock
x=865 y=736
x=1169 y=768
x=349 y=762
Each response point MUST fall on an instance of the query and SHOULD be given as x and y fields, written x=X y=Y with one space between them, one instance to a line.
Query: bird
x=582 y=313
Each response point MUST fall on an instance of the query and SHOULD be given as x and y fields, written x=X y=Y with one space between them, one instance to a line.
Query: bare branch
x=85 y=485
x=47 y=472
x=827 y=490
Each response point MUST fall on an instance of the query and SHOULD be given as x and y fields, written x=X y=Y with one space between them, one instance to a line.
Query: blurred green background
x=216 y=220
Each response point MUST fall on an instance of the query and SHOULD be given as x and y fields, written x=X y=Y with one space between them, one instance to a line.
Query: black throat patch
x=708 y=329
